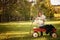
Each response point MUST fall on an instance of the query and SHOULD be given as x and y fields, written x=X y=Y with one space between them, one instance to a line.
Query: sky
x=55 y=2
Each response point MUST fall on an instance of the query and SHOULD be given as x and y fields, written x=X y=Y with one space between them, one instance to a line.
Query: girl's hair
x=39 y=11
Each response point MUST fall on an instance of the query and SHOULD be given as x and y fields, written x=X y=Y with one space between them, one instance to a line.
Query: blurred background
x=24 y=10
x=16 y=18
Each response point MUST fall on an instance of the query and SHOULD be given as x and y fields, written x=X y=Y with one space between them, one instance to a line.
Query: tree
x=46 y=8
x=14 y=10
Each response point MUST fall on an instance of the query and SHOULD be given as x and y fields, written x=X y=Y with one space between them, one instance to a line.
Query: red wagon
x=37 y=30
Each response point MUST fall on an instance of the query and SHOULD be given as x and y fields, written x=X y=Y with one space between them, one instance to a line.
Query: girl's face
x=39 y=14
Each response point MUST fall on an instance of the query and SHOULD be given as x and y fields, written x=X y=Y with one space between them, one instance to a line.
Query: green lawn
x=23 y=32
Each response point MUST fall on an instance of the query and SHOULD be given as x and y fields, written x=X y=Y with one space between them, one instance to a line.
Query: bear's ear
x=50 y=24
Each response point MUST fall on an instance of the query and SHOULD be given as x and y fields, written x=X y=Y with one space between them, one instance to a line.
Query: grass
x=21 y=29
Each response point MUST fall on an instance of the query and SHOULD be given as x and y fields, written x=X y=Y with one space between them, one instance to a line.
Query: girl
x=40 y=20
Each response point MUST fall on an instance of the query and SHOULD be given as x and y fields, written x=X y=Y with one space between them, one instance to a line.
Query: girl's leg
x=41 y=33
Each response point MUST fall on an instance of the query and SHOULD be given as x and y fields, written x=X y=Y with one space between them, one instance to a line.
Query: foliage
x=14 y=10
x=45 y=7
x=20 y=10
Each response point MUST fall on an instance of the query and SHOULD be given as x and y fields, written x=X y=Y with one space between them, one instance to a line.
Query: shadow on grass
x=3 y=29
x=29 y=37
x=22 y=28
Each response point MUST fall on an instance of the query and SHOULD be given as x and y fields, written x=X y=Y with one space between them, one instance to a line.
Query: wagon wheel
x=35 y=34
x=54 y=35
